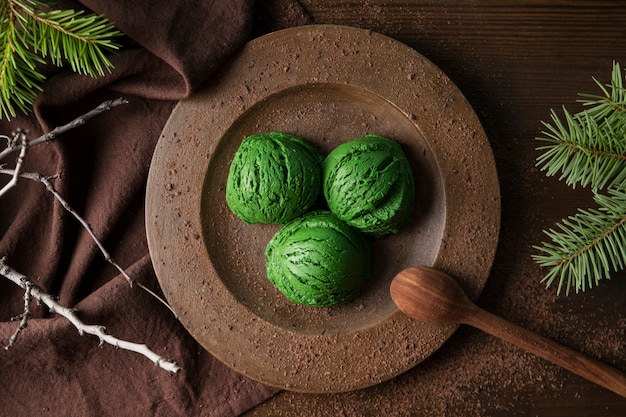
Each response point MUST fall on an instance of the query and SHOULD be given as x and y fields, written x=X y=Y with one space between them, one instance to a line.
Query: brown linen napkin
x=171 y=48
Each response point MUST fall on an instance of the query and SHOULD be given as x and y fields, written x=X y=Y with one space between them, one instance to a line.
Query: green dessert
x=318 y=260
x=274 y=177
x=368 y=183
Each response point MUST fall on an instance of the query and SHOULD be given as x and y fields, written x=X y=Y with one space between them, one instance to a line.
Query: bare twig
x=96 y=330
x=19 y=142
x=23 y=318
x=79 y=121
x=20 y=136
x=50 y=187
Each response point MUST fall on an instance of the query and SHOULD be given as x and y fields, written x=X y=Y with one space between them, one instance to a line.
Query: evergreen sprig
x=32 y=31
x=588 y=246
x=588 y=148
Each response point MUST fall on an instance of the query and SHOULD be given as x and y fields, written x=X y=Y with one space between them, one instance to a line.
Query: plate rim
x=471 y=268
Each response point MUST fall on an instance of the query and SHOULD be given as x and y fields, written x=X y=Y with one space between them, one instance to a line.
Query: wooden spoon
x=434 y=297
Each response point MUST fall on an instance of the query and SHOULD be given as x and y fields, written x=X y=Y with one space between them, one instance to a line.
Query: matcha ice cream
x=274 y=177
x=318 y=260
x=369 y=184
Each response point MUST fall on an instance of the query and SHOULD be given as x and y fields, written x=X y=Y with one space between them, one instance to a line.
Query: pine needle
x=32 y=31
x=587 y=247
x=589 y=148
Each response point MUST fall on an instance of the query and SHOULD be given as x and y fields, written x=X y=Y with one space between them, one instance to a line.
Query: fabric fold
x=169 y=51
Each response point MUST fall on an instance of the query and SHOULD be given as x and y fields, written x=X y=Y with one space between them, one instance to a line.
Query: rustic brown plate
x=327 y=84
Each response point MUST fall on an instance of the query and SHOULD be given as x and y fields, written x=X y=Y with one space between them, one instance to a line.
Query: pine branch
x=613 y=102
x=586 y=247
x=31 y=30
x=71 y=36
x=589 y=147
x=20 y=81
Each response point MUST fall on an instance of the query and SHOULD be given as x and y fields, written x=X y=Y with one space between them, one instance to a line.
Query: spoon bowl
x=431 y=296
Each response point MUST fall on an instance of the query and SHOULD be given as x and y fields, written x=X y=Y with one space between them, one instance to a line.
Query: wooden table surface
x=514 y=61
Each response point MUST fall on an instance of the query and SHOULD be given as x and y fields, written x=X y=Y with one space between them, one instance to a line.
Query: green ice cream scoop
x=274 y=177
x=368 y=183
x=318 y=260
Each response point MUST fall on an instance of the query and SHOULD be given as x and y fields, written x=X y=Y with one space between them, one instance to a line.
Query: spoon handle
x=575 y=362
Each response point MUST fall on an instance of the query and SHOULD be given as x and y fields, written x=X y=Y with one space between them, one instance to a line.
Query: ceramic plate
x=326 y=84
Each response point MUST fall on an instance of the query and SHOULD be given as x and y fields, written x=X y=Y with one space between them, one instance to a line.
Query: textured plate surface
x=326 y=84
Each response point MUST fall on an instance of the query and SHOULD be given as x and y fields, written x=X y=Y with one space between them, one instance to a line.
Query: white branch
x=19 y=142
x=33 y=176
x=23 y=318
x=48 y=184
x=18 y=164
x=96 y=330
x=79 y=121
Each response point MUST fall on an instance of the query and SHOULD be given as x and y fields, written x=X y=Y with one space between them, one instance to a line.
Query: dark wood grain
x=514 y=61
